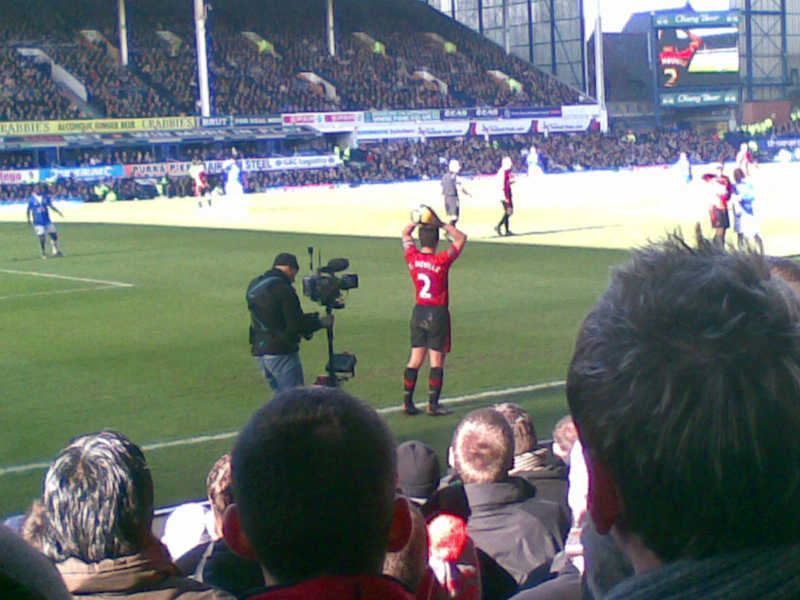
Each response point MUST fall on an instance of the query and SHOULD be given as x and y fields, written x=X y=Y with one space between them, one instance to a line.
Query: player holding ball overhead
x=430 y=319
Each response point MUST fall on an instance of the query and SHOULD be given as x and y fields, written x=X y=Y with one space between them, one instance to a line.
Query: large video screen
x=700 y=57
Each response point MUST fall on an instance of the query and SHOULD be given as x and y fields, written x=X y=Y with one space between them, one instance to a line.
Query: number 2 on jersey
x=425 y=292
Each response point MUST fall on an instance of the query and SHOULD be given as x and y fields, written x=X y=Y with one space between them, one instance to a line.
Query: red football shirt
x=429 y=274
x=723 y=188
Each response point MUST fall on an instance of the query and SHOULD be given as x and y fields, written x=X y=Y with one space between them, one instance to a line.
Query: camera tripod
x=343 y=363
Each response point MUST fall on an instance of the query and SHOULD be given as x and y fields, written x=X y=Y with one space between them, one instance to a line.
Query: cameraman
x=277 y=322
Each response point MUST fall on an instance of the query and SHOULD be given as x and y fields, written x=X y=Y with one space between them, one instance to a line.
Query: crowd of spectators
x=115 y=90
x=106 y=473
x=28 y=93
x=412 y=71
x=404 y=160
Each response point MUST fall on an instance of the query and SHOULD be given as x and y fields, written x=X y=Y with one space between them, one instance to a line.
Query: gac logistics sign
x=248 y=165
x=37 y=128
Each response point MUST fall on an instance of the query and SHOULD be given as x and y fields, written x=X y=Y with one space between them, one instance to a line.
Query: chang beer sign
x=697 y=19
x=691 y=99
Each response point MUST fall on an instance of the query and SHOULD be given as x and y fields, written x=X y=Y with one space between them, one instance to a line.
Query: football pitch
x=142 y=326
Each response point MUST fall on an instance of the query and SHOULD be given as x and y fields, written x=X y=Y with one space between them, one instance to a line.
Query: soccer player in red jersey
x=718 y=209
x=504 y=180
x=744 y=159
x=430 y=320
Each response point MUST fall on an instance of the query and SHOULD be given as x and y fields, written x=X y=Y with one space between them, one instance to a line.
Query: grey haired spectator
x=97 y=500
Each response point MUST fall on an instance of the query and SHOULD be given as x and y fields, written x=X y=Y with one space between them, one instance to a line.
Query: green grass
x=168 y=359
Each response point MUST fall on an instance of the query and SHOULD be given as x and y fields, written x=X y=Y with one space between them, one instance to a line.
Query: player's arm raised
x=407 y=231
x=459 y=237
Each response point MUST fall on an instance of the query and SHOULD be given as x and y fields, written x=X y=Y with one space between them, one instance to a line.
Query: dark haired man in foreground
x=430 y=321
x=314 y=487
x=685 y=388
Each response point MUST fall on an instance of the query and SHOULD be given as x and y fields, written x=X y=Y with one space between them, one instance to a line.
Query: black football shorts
x=430 y=328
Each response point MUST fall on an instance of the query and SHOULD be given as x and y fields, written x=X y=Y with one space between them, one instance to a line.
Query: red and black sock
x=409 y=383
x=435 y=381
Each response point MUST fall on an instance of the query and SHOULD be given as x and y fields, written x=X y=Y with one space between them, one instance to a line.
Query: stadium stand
x=28 y=92
x=414 y=68
x=391 y=54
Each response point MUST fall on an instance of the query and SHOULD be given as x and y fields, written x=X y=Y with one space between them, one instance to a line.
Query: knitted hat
x=287 y=260
x=418 y=470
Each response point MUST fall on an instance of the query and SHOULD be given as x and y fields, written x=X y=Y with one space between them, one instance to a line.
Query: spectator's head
x=564 y=436
x=314 y=475
x=25 y=574
x=220 y=490
x=98 y=499
x=418 y=470
x=33 y=525
x=684 y=388
x=786 y=269
x=483 y=447
x=521 y=425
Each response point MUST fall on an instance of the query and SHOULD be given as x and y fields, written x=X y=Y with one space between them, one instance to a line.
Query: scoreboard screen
x=696 y=51
x=698 y=58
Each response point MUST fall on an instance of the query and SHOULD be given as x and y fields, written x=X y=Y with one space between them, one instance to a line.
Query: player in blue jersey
x=684 y=167
x=744 y=199
x=534 y=163
x=38 y=215
x=234 y=175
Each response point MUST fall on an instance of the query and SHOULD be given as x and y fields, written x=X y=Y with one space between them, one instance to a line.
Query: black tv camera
x=323 y=286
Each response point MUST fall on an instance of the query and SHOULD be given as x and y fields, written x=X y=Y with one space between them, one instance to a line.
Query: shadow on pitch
x=552 y=231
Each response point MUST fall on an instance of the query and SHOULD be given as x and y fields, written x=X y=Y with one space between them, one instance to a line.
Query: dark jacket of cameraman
x=276 y=320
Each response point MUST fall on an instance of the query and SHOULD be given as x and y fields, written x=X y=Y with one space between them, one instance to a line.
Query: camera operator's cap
x=285 y=259
x=418 y=470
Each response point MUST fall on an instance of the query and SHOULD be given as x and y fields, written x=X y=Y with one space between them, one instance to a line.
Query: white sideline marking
x=105 y=285
x=201 y=439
